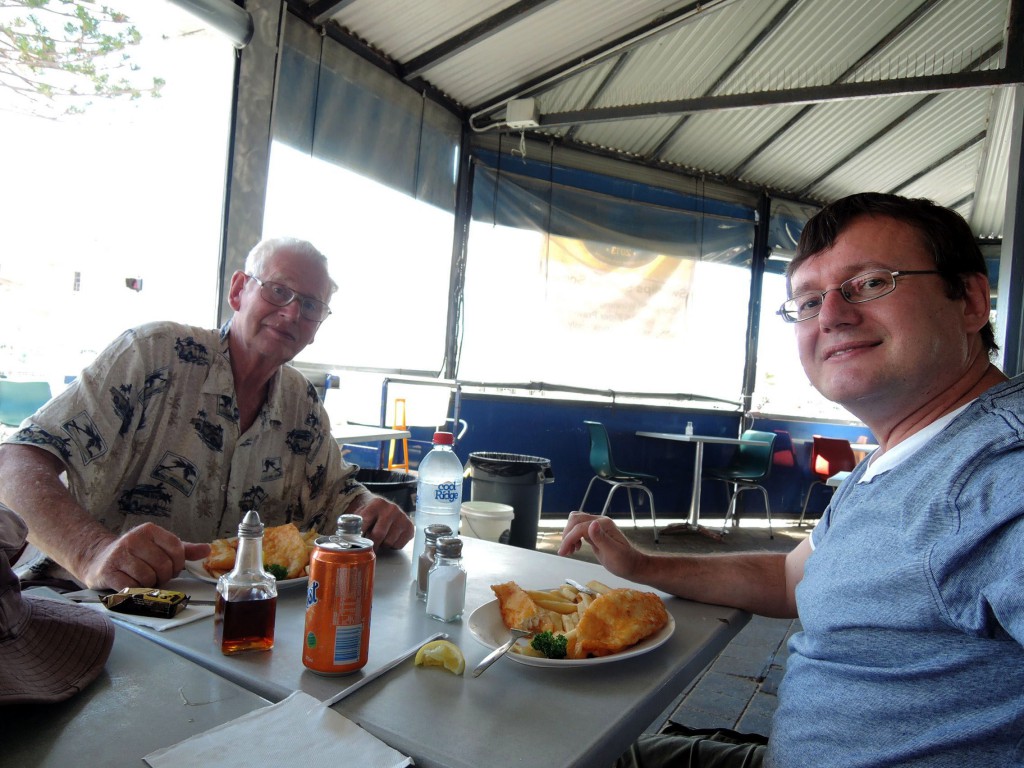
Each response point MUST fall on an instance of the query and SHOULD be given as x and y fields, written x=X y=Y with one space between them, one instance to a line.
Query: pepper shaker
x=430 y=536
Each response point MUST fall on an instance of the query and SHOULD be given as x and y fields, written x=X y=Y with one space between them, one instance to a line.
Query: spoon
x=500 y=651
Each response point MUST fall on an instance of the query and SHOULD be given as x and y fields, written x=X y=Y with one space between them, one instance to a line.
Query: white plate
x=195 y=567
x=487 y=628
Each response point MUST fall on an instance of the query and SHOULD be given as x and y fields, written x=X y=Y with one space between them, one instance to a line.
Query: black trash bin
x=399 y=487
x=516 y=480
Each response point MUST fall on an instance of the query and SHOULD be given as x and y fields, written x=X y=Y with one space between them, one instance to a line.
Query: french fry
x=556 y=606
x=552 y=601
x=550 y=596
x=598 y=587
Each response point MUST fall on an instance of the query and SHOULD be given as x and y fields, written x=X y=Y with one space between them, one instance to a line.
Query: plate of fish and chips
x=615 y=624
x=285 y=553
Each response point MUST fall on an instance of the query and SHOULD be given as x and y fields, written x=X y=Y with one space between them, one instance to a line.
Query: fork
x=500 y=651
x=581 y=587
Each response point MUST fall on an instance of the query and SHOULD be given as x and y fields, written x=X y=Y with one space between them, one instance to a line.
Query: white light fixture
x=522 y=113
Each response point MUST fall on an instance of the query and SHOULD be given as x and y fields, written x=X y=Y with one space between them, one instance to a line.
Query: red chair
x=829 y=455
x=785 y=454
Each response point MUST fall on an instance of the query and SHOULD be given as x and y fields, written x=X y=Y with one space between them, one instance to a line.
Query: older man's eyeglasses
x=281 y=296
x=867 y=287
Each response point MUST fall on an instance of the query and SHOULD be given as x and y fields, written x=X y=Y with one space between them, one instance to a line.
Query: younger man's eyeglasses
x=867 y=287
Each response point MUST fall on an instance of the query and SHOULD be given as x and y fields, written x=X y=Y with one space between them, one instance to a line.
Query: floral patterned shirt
x=150 y=432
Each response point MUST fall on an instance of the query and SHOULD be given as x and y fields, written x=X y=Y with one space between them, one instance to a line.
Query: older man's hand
x=146 y=556
x=386 y=524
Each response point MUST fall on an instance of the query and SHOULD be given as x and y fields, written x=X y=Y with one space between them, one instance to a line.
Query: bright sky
x=135 y=190
x=129 y=189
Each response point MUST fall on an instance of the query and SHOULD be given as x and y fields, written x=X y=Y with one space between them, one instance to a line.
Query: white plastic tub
x=485 y=520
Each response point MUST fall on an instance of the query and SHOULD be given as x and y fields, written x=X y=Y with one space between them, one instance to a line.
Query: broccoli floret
x=279 y=572
x=551 y=645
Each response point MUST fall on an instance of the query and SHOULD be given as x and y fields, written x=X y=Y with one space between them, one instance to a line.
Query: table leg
x=692 y=524
x=698 y=467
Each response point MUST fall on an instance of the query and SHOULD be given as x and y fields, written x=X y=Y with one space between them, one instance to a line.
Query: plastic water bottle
x=438 y=492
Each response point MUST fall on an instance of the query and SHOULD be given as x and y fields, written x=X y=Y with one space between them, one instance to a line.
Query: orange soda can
x=339 y=597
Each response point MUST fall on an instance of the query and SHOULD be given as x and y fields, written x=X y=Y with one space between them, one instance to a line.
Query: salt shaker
x=431 y=534
x=446 y=582
x=689 y=428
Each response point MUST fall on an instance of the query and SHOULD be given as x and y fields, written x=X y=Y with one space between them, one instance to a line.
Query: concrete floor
x=739 y=689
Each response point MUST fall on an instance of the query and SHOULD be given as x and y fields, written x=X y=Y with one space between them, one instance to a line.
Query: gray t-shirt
x=150 y=432
x=912 y=606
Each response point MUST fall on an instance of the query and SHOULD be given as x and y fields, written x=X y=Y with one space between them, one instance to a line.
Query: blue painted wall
x=554 y=430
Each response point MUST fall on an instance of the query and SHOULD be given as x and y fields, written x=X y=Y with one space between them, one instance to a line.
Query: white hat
x=49 y=650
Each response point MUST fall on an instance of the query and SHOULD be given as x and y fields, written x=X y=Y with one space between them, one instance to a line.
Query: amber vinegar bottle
x=246 y=596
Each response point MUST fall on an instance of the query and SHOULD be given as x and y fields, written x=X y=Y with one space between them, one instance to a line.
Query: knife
x=381 y=670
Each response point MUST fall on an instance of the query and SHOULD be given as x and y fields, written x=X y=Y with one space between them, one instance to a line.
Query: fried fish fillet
x=617 y=620
x=222 y=556
x=519 y=611
x=282 y=545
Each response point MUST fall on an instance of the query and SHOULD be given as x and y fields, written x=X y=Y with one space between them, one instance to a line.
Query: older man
x=174 y=432
x=910 y=590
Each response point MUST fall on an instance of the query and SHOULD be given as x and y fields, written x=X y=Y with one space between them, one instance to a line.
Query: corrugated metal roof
x=793 y=96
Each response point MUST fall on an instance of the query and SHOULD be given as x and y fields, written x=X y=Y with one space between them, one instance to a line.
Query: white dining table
x=837 y=479
x=693 y=520
x=863 y=450
x=513 y=715
x=348 y=432
x=146 y=698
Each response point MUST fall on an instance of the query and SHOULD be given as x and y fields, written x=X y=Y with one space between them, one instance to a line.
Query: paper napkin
x=186 y=615
x=296 y=731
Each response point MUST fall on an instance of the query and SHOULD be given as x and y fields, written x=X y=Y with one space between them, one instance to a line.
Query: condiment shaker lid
x=434 y=531
x=350 y=524
x=449 y=546
x=250 y=527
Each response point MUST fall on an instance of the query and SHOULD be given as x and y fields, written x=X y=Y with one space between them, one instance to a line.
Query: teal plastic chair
x=603 y=464
x=749 y=466
x=20 y=399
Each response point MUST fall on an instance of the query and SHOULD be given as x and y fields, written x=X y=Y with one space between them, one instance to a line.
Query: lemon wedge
x=441 y=653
